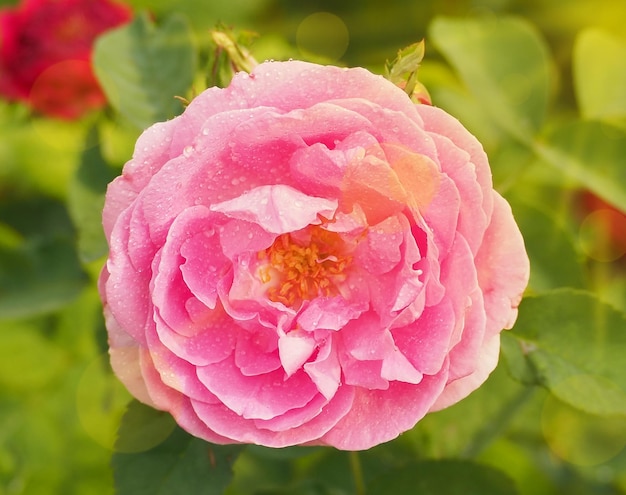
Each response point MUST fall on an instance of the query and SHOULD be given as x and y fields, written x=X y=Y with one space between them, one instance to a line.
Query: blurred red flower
x=45 y=53
x=603 y=230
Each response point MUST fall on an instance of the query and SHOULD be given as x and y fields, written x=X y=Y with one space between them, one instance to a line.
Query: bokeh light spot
x=599 y=235
x=580 y=438
x=323 y=35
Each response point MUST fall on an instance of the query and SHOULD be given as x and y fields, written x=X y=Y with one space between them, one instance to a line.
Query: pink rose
x=307 y=257
x=45 y=53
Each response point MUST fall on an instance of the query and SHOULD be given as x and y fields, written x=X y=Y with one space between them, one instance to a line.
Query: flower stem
x=357 y=472
x=499 y=423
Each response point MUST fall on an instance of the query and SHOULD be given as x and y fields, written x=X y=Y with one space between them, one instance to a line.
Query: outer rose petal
x=461 y=388
x=503 y=268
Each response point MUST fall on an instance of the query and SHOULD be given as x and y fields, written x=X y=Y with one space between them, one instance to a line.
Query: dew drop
x=188 y=150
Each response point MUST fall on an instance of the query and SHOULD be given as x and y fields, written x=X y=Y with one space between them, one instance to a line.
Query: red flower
x=45 y=53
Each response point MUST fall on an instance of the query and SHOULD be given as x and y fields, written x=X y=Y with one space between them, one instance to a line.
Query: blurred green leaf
x=86 y=200
x=39 y=269
x=574 y=345
x=24 y=348
x=555 y=261
x=599 y=64
x=447 y=476
x=181 y=465
x=142 y=68
x=592 y=153
x=505 y=64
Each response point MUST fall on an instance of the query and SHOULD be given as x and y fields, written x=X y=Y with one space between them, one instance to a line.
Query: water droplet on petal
x=188 y=150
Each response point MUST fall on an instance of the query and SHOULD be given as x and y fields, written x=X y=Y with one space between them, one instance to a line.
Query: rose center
x=304 y=266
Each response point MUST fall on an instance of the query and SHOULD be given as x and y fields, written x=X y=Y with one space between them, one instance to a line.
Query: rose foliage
x=307 y=257
x=45 y=53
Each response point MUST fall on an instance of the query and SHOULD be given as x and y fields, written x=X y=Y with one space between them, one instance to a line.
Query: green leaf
x=600 y=74
x=554 y=260
x=447 y=476
x=592 y=153
x=143 y=428
x=574 y=345
x=142 y=68
x=181 y=465
x=86 y=200
x=505 y=64
x=39 y=268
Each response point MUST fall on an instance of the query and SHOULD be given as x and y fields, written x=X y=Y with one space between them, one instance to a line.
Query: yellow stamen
x=300 y=272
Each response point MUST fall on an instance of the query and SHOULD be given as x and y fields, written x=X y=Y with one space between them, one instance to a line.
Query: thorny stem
x=499 y=423
x=357 y=472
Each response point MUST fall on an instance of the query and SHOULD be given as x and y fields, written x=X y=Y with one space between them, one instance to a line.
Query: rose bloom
x=307 y=257
x=45 y=53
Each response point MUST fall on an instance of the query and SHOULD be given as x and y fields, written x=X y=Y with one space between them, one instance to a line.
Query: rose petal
x=278 y=209
x=377 y=416
x=503 y=268
x=329 y=313
x=294 y=349
x=258 y=397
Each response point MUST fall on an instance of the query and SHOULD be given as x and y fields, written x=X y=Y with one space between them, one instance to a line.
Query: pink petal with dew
x=224 y=421
x=212 y=341
x=177 y=373
x=152 y=150
x=257 y=397
x=190 y=262
x=503 y=268
x=295 y=84
x=395 y=126
x=396 y=367
x=325 y=370
x=472 y=220
x=323 y=122
x=295 y=417
x=439 y=122
x=425 y=343
x=294 y=349
x=257 y=351
x=380 y=252
x=377 y=416
x=318 y=170
x=442 y=215
x=366 y=339
x=458 y=276
x=362 y=374
x=329 y=313
x=124 y=288
x=208 y=104
x=465 y=354
x=461 y=388
x=351 y=223
x=278 y=208
x=375 y=187
x=238 y=236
